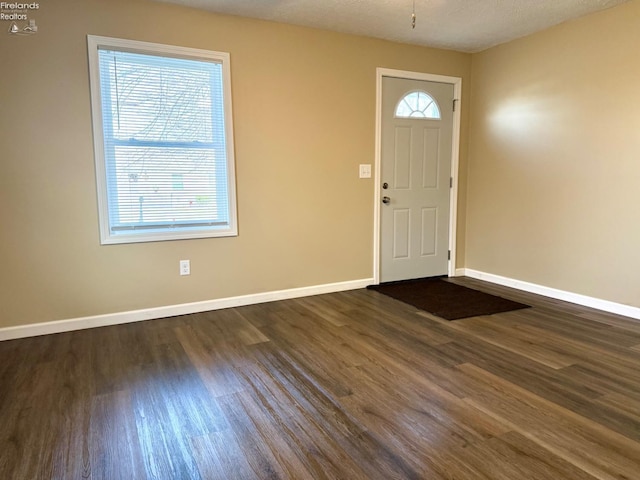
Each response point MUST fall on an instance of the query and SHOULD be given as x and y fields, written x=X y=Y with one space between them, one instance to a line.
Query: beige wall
x=554 y=158
x=304 y=104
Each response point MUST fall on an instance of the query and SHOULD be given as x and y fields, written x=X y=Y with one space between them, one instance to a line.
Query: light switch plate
x=365 y=170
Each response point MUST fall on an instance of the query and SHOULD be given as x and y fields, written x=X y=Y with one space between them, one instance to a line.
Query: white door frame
x=455 y=153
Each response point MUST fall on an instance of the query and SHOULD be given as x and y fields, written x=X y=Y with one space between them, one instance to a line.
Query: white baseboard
x=60 y=326
x=584 y=300
x=459 y=272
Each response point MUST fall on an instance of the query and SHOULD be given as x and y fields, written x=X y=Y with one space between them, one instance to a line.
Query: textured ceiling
x=465 y=25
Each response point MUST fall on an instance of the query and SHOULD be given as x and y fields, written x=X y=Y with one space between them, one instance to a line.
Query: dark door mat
x=445 y=299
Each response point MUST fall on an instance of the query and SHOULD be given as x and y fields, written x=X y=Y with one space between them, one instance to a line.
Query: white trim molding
x=459 y=272
x=59 y=326
x=584 y=300
x=455 y=159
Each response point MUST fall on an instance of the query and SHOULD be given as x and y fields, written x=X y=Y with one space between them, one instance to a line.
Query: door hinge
x=449 y=255
x=454 y=104
x=450 y=182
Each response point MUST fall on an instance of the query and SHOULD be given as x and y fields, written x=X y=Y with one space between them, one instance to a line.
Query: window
x=418 y=105
x=163 y=141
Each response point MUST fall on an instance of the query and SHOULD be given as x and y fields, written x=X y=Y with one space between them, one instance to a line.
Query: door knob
x=386 y=200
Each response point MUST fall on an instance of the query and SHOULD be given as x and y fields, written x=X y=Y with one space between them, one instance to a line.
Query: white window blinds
x=166 y=163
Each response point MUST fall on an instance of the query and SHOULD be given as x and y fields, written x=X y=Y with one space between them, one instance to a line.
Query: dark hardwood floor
x=349 y=386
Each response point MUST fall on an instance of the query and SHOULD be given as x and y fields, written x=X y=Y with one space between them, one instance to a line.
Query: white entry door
x=417 y=129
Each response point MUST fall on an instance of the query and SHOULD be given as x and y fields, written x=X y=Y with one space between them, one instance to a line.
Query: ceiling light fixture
x=413 y=16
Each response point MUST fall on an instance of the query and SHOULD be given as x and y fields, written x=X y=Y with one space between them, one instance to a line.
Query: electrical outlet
x=185 y=267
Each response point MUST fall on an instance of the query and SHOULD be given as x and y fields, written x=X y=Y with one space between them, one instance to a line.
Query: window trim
x=95 y=43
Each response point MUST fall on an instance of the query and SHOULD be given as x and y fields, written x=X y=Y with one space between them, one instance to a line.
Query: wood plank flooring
x=351 y=385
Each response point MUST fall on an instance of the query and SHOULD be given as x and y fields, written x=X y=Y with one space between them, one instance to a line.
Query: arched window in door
x=417 y=104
